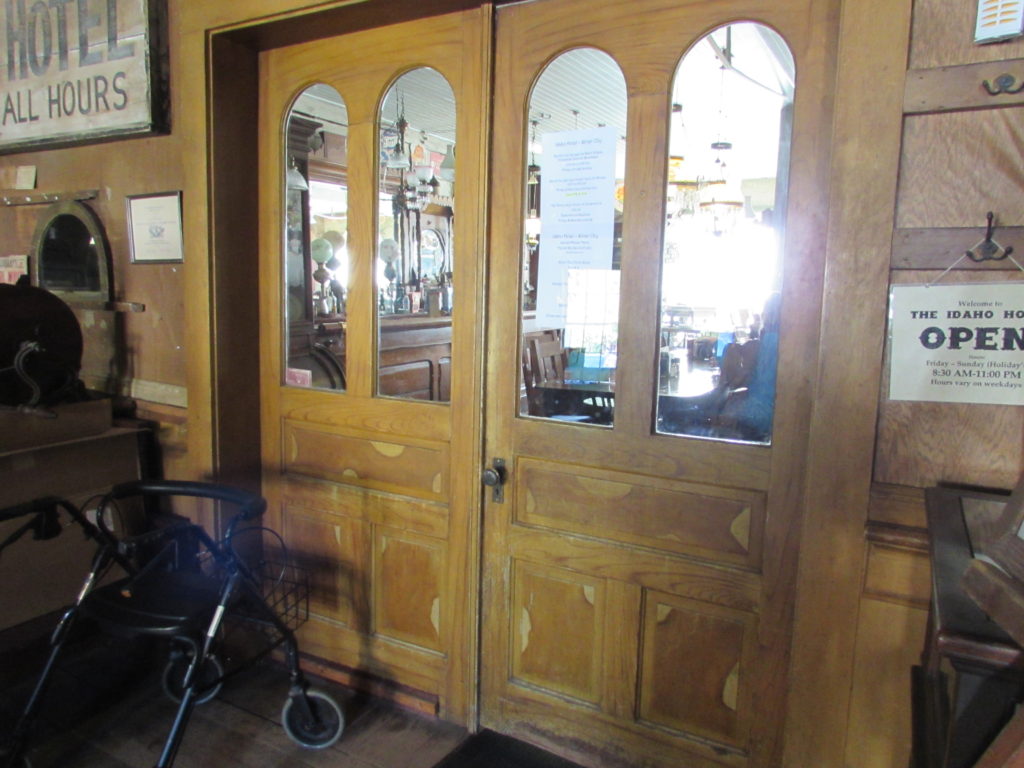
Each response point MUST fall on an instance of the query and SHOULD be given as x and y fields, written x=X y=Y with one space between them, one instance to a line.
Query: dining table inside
x=590 y=402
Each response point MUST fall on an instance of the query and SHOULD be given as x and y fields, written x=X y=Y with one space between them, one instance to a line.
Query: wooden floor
x=100 y=714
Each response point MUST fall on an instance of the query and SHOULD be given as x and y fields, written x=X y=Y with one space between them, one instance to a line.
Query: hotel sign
x=73 y=71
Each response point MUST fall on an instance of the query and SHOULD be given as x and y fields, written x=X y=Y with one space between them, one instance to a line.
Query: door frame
x=218 y=54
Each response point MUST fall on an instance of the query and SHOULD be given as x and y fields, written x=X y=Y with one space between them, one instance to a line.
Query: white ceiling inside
x=584 y=88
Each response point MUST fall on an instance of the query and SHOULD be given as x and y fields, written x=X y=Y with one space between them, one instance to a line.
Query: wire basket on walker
x=203 y=596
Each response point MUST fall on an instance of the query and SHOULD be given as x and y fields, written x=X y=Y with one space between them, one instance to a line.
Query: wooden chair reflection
x=529 y=382
x=549 y=359
x=531 y=368
x=538 y=370
x=545 y=361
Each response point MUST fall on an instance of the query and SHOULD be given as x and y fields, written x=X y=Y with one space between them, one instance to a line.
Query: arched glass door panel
x=316 y=224
x=722 y=264
x=415 y=209
x=572 y=232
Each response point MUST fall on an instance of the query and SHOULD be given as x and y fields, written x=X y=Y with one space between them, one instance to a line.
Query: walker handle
x=28 y=507
x=250 y=504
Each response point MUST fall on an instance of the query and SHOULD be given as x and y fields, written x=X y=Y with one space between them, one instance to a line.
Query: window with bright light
x=725 y=209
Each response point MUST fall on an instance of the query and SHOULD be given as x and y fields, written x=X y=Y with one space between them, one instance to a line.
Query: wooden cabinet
x=42 y=576
x=415 y=355
x=972 y=673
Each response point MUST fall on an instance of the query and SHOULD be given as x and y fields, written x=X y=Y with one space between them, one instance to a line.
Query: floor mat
x=488 y=749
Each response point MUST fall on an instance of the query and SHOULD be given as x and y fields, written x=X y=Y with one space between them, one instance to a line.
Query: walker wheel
x=327 y=724
x=174 y=677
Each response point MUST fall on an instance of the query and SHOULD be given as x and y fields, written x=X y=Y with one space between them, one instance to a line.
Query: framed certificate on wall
x=154 y=228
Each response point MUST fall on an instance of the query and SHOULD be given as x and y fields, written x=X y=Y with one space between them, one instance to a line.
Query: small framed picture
x=12 y=268
x=154 y=228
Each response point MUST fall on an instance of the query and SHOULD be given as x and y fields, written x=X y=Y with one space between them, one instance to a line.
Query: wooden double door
x=626 y=598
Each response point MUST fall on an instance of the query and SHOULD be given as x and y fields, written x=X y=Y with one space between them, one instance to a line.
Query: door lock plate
x=494 y=477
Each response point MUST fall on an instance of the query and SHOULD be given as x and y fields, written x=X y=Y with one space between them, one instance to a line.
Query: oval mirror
x=728 y=163
x=315 y=256
x=415 y=208
x=572 y=233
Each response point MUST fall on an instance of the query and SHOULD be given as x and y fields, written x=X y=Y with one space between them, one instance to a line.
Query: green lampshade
x=321 y=250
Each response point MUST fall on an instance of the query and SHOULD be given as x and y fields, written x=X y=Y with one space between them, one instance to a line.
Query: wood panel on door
x=637 y=586
x=377 y=495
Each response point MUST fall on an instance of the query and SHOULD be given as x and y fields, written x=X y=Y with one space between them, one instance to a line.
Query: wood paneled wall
x=151 y=346
x=943 y=36
x=142 y=355
x=959 y=157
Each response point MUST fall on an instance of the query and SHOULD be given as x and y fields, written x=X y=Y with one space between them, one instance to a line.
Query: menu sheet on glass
x=577 y=208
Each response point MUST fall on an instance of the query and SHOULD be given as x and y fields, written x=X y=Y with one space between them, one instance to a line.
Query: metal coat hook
x=988 y=249
x=1003 y=84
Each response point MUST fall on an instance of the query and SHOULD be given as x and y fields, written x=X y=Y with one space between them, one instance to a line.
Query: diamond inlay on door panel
x=698 y=649
x=557 y=618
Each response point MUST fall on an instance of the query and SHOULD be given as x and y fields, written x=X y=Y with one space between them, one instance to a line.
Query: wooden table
x=594 y=399
x=972 y=672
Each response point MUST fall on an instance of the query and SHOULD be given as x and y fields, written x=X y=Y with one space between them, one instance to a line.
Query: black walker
x=182 y=585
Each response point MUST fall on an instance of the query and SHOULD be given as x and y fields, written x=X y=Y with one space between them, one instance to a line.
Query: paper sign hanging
x=957 y=343
x=577 y=213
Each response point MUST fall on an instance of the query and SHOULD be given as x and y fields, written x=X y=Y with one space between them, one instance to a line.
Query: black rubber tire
x=313 y=735
x=174 y=676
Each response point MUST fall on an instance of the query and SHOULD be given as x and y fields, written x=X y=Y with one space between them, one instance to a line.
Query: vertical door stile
x=271 y=213
x=474 y=120
x=642 y=248
x=363 y=204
